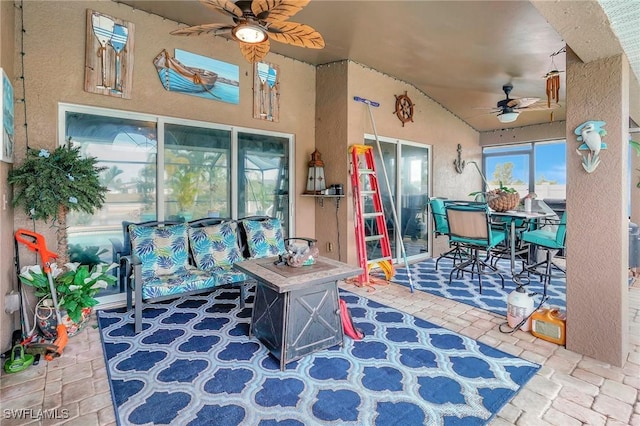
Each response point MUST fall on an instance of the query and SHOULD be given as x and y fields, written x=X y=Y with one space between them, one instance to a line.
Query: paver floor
x=570 y=389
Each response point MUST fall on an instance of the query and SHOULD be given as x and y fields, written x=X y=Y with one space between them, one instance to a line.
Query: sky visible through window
x=550 y=164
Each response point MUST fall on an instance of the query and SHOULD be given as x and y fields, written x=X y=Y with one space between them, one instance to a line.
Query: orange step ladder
x=364 y=183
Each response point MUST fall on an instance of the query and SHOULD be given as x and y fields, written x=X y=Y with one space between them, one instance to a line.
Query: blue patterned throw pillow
x=264 y=237
x=215 y=247
x=161 y=249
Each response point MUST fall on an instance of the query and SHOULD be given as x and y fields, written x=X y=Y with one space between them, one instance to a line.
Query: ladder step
x=373 y=238
x=382 y=259
x=367 y=192
x=370 y=215
x=366 y=171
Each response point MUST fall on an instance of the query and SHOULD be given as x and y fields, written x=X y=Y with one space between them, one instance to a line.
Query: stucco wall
x=540 y=132
x=432 y=125
x=332 y=124
x=597 y=228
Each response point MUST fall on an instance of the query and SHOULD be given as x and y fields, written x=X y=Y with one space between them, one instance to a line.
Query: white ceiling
x=459 y=53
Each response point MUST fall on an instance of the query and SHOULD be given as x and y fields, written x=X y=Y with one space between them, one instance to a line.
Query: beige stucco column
x=597 y=221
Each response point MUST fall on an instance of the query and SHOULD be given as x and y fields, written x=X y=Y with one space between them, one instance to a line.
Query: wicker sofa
x=171 y=259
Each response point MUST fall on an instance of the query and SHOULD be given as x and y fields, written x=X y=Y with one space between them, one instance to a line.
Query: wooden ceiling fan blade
x=522 y=102
x=300 y=35
x=276 y=10
x=215 y=29
x=539 y=106
x=254 y=52
x=226 y=7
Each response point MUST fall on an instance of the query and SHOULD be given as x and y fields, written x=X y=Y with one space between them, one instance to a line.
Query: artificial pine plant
x=50 y=184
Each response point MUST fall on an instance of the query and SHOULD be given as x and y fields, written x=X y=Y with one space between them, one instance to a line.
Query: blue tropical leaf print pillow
x=162 y=250
x=215 y=247
x=264 y=237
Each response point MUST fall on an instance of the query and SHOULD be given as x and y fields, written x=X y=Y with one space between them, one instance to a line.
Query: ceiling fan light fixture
x=508 y=117
x=249 y=33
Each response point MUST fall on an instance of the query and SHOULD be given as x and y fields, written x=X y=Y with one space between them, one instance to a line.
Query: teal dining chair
x=552 y=241
x=442 y=228
x=470 y=227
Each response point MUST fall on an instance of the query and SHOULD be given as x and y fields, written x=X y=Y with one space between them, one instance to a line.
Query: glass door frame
x=397 y=191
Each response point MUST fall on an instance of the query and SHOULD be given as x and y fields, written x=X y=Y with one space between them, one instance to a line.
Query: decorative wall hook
x=590 y=133
x=459 y=162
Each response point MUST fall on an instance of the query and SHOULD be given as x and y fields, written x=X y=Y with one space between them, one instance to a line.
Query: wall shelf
x=320 y=198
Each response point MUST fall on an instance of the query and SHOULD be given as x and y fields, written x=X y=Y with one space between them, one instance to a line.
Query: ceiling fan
x=508 y=109
x=257 y=21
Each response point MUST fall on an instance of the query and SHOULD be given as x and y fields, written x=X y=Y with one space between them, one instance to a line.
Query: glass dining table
x=511 y=216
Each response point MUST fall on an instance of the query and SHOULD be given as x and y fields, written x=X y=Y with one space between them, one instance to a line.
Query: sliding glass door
x=263 y=176
x=409 y=184
x=414 y=186
x=171 y=169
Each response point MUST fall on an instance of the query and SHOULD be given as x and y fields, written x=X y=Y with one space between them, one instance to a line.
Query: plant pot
x=47 y=320
x=501 y=202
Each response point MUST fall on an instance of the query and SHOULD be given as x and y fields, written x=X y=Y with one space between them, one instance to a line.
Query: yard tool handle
x=36 y=242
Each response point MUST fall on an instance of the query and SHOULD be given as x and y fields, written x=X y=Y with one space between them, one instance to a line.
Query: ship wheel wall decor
x=404 y=108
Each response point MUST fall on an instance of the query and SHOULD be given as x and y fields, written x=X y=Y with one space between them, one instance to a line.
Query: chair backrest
x=439 y=216
x=469 y=222
x=207 y=221
x=561 y=233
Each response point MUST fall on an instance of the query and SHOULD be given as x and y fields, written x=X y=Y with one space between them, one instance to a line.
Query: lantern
x=315 y=181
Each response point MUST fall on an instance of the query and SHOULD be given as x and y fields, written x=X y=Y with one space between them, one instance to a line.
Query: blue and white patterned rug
x=194 y=364
x=466 y=290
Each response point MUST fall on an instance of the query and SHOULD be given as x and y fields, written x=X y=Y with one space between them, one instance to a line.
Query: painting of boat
x=177 y=77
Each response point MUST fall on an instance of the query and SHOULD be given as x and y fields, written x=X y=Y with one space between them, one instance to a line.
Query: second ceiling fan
x=256 y=22
x=508 y=109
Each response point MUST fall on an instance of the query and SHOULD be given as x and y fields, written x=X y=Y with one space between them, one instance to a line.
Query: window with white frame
x=539 y=167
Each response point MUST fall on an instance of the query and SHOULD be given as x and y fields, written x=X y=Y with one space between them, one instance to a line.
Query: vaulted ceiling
x=459 y=53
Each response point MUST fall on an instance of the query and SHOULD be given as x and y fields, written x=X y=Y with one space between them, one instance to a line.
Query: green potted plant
x=47 y=185
x=76 y=287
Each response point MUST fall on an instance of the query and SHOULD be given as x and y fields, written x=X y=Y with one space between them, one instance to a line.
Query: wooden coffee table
x=296 y=311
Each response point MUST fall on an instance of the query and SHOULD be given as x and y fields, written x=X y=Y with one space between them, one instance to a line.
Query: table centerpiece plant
x=499 y=199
